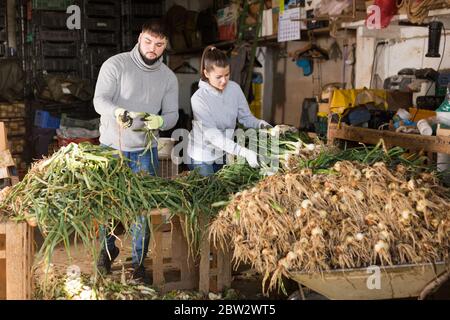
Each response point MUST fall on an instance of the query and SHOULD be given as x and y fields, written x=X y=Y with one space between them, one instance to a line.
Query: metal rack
x=134 y=14
x=3 y=29
x=53 y=48
x=101 y=34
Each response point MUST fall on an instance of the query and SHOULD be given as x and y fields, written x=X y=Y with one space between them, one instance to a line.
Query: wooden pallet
x=215 y=266
x=16 y=260
x=180 y=261
x=211 y=274
x=413 y=142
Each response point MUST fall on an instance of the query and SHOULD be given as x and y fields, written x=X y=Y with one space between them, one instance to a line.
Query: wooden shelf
x=397 y=18
x=415 y=142
x=263 y=41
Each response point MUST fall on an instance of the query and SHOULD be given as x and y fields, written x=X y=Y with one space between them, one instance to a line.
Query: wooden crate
x=166 y=168
x=211 y=274
x=215 y=266
x=16 y=260
x=179 y=262
x=413 y=142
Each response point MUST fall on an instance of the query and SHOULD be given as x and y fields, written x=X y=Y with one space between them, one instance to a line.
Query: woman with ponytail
x=216 y=106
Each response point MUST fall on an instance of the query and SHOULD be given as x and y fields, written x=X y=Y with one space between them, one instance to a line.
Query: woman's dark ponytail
x=212 y=57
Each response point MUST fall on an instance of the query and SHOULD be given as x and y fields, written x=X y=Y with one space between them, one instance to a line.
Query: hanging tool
x=434 y=39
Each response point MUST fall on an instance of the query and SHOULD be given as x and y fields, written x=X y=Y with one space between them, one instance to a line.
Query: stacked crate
x=56 y=48
x=101 y=33
x=13 y=115
x=3 y=32
x=134 y=14
x=16 y=260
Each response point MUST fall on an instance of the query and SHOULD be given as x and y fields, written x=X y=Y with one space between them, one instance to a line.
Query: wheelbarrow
x=394 y=282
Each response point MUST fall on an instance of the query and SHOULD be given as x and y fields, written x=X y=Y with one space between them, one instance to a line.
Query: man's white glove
x=250 y=156
x=264 y=125
x=123 y=118
x=153 y=122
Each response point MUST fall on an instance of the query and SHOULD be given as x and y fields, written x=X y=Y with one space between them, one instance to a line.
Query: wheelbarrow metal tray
x=402 y=281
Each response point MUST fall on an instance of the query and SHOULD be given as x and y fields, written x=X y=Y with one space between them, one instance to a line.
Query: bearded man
x=128 y=85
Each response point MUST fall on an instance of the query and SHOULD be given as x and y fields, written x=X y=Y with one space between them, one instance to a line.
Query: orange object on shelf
x=419 y=114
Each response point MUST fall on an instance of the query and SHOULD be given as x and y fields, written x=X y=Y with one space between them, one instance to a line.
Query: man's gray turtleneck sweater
x=126 y=81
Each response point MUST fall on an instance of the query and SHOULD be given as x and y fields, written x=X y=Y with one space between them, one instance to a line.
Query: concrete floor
x=245 y=281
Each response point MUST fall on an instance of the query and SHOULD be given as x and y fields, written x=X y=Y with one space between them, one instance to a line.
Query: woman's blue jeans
x=140 y=230
x=205 y=168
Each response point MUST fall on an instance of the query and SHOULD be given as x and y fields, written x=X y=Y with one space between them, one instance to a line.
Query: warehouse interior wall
x=406 y=48
x=291 y=87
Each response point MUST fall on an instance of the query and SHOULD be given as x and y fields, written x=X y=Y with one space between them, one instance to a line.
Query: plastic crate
x=62 y=142
x=102 y=10
x=51 y=19
x=136 y=23
x=148 y=9
x=43 y=119
x=59 y=36
x=103 y=24
x=444 y=79
x=166 y=168
x=89 y=124
x=59 y=50
x=102 y=38
x=52 y=4
x=321 y=126
x=60 y=64
x=100 y=55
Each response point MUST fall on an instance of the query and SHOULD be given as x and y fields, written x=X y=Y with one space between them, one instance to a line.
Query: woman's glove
x=264 y=125
x=250 y=156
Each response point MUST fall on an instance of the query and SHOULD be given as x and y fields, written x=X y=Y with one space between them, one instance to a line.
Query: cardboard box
x=275 y=16
x=267 y=23
x=442 y=130
x=398 y=99
x=419 y=114
x=3 y=137
x=324 y=108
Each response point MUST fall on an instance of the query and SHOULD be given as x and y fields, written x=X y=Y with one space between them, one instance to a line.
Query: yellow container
x=257 y=91
x=256 y=108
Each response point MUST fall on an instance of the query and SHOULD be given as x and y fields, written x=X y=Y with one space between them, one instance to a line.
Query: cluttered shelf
x=397 y=18
x=223 y=44
x=262 y=41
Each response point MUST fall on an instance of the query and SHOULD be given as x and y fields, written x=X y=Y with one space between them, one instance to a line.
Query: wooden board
x=15 y=270
x=3 y=137
x=415 y=142
x=6 y=159
x=179 y=259
x=215 y=265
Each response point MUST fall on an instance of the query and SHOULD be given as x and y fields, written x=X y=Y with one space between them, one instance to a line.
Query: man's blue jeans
x=205 y=168
x=140 y=230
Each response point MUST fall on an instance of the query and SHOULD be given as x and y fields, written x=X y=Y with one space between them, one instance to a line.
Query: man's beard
x=148 y=61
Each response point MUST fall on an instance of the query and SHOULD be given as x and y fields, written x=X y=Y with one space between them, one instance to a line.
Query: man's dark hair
x=156 y=27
